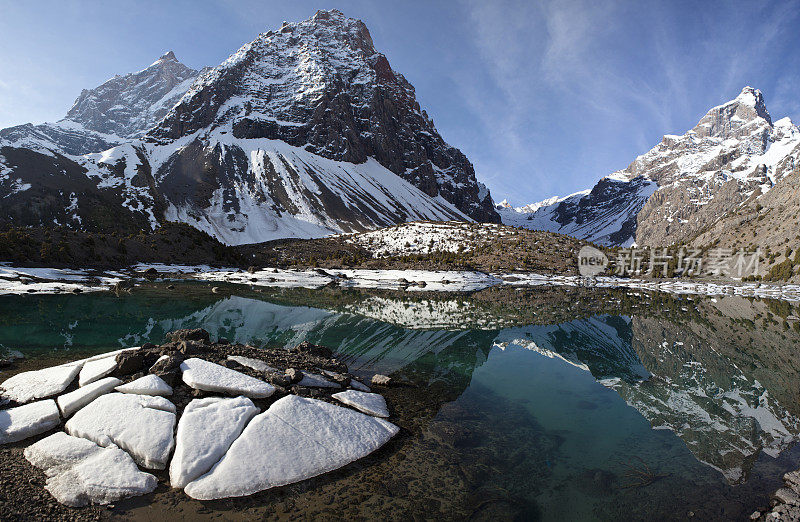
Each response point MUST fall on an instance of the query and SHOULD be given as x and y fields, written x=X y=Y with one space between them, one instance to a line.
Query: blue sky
x=543 y=97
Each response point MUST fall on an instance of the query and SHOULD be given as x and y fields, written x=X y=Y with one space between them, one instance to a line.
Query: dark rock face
x=193 y=334
x=342 y=101
x=47 y=189
x=313 y=349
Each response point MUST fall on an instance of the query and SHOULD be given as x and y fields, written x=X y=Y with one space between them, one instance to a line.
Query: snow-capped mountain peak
x=320 y=84
x=734 y=152
x=130 y=104
x=303 y=132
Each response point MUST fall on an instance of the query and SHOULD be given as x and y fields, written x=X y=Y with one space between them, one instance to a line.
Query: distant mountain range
x=307 y=131
x=684 y=187
x=303 y=132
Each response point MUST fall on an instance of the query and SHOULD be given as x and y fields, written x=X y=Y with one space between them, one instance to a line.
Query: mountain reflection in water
x=704 y=390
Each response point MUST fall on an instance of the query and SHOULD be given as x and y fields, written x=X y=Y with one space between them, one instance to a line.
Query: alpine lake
x=550 y=403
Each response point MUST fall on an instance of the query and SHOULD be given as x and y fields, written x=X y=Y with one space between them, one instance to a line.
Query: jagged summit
x=320 y=84
x=734 y=152
x=129 y=105
x=169 y=55
x=746 y=114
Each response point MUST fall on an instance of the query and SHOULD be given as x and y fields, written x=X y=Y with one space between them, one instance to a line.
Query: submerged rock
x=207 y=376
x=80 y=472
x=369 y=403
x=295 y=439
x=206 y=430
x=381 y=380
x=312 y=380
x=28 y=420
x=139 y=424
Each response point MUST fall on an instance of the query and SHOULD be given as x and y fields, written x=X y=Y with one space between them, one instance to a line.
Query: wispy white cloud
x=631 y=70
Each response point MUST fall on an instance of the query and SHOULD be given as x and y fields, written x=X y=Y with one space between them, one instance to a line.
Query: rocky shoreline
x=785 y=505
x=183 y=379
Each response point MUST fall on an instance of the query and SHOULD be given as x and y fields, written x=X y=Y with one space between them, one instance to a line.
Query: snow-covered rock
x=147 y=385
x=59 y=452
x=208 y=376
x=71 y=402
x=28 y=420
x=295 y=439
x=38 y=384
x=314 y=380
x=369 y=403
x=95 y=370
x=255 y=364
x=80 y=472
x=140 y=424
x=206 y=430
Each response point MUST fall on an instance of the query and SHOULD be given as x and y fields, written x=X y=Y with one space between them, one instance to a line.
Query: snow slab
x=28 y=420
x=73 y=401
x=255 y=364
x=207 y=376
x=206 y=430
x=139 y=424
x=147 y=385
x=27 y=386
x=81 y=472
x=313 y=380
x=369 y=403
x=295 y=439
x=97 y=369
x=360 y=386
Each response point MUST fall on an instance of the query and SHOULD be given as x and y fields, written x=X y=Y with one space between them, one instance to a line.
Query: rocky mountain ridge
x=684 y=184
x=304 y=132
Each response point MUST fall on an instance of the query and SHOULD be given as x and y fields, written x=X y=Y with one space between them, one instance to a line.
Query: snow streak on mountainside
x=735 y=152
x=303 y=132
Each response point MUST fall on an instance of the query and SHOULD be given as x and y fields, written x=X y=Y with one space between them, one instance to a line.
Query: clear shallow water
x=557 y=405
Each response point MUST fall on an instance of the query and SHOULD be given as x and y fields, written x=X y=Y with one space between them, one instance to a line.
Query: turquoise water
x=680 y=409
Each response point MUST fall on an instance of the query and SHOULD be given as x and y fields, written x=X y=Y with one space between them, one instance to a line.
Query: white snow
x=208 y=376
x=206 y=430
x=295 y=439
x=369 y=403
x=37 y=384
x=140 y=424
x=97 y=369
x=19 y=281
x=73 y=401
x=314 y=380
x=147 y=385
x=79 y=472
x=255 y=364
x=377 y=196
x=28 y=420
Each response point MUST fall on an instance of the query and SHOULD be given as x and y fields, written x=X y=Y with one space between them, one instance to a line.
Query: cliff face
x=321 y=85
